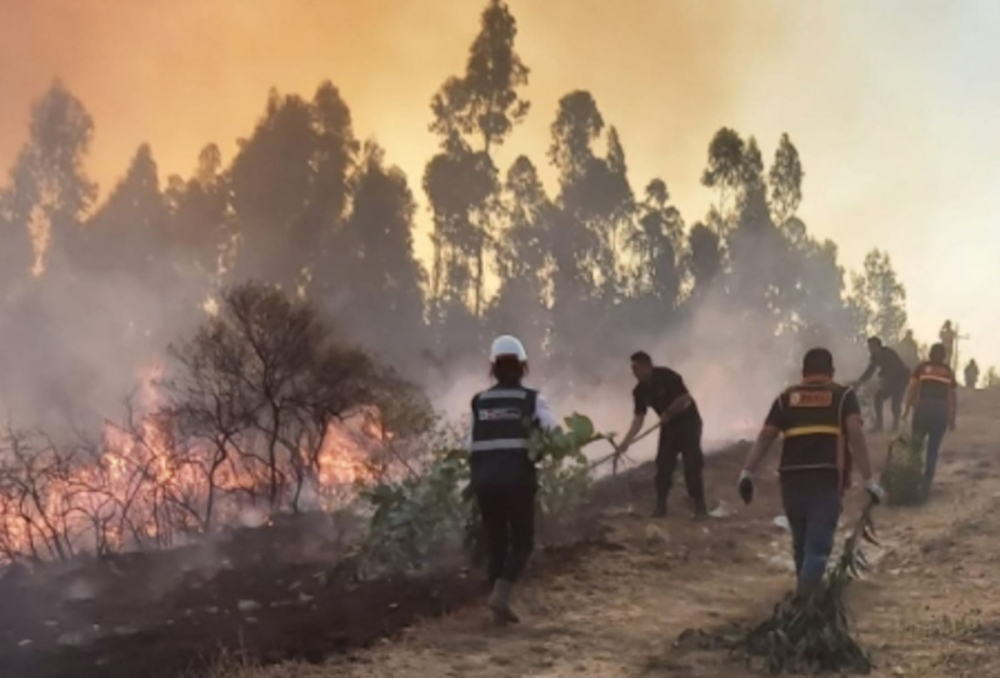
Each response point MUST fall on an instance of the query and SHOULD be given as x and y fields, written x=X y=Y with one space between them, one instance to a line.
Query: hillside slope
x=929 y=608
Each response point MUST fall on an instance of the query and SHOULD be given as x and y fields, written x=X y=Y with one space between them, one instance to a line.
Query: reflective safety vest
x=935 y=381
x=501 y=426
x=813 y=428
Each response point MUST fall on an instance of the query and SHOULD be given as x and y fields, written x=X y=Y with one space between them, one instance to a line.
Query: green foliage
x=563 y=472
x=421 y=514
x=432 y=511
x=903 y=476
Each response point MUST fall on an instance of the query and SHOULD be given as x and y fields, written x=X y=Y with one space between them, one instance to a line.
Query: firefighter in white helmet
x=503 y=476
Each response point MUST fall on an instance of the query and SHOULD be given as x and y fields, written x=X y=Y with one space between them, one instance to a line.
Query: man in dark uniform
x=894 y=375
x=933 y=399
x=502 y=474
x=663 y=390
x=820 y=422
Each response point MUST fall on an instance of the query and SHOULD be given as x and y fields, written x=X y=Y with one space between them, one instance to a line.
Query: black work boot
x=660 y=511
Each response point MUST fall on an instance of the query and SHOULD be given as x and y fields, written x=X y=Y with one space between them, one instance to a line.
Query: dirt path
x=929 y=608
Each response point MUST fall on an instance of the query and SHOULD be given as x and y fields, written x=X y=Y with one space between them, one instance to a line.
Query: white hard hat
x=508 y=346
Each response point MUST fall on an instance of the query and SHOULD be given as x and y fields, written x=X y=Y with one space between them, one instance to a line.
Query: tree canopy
x=305 y=206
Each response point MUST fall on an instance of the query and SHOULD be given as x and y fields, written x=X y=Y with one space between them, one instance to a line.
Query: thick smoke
x=78 y=338
x=74 y=355
x=733 y=369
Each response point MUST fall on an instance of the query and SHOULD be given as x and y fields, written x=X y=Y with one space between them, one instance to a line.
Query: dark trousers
x=684 y=443
x=930 y=424
x=508 y=514
x=894 y=392
x=813 y=520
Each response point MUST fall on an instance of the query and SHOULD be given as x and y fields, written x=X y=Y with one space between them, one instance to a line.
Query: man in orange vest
x=932 y=397
x=820 y=421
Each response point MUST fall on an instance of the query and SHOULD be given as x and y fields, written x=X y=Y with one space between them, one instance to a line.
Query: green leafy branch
x=432 y=510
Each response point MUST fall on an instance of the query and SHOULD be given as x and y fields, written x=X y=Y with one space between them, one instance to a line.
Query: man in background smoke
x=894 y=376
x=971 y=375
x=502 y=474
x=932 y=397
x=820 y=422
x=908 y=351
x=664 y=390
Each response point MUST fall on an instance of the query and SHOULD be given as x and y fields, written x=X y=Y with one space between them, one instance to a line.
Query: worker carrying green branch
x=933 y=399
x=820 y=422
x=503 y=476
x=664 y=390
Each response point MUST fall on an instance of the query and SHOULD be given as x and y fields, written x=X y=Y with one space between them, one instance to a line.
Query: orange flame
x=142 y=488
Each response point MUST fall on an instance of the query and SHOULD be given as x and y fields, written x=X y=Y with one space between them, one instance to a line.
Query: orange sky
x=890 y=103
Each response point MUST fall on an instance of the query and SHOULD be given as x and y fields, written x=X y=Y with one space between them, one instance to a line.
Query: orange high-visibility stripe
x=934 y=377
x=812 y=430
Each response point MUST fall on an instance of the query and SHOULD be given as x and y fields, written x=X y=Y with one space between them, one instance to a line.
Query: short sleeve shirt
x=663 y=388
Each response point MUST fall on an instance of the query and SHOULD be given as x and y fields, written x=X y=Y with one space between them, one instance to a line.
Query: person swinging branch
x=932 y=397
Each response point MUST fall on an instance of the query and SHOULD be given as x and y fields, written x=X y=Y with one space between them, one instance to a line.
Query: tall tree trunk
x=479 y=278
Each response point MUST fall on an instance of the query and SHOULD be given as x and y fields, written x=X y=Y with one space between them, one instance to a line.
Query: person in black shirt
x=933 y=399
x=820 y=422
x=664 y=391
x=894 y=375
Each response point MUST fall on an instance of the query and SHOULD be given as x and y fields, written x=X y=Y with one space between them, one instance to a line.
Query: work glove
x=875 y=490
x=746 y=486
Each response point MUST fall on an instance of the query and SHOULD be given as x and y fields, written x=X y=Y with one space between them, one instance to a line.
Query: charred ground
x=271 y=594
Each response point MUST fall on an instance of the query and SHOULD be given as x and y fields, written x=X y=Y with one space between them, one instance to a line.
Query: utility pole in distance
x=958 y=337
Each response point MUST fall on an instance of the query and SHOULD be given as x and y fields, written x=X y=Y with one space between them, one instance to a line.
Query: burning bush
x=262 y=411
x=270 y=394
